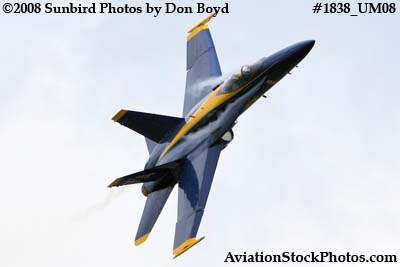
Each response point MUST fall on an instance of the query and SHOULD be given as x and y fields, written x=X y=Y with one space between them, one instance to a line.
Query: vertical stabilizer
x=154 y=204
x=150 y=145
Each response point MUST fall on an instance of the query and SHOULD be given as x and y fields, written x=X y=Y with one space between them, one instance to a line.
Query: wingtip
x=119 y=115
x=141 y=239
x=185 y=246
x=203 y=22
x=202 y=25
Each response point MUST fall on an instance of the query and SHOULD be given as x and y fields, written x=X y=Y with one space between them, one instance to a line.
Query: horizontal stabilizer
x=152 y=126
x=140 y=177
x=149 y=175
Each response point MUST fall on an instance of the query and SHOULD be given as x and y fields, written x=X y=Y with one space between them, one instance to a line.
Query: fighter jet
x=184 y=151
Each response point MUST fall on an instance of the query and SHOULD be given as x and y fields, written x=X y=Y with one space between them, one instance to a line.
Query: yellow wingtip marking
x=185 y=246
x=141 y=239
x=203 y=22
x=119 y=115
x=201 y=26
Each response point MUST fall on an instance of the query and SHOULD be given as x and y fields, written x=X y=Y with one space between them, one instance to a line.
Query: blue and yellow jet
x=185 y=151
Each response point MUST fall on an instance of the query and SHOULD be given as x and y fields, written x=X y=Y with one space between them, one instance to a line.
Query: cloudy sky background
x=315 y=166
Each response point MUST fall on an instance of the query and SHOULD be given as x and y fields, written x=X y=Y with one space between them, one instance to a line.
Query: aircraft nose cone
x=300 y=50
x=308 y=44
x=289 y=57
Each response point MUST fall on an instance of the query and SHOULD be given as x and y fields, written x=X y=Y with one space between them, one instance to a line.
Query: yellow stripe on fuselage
x=212 y=102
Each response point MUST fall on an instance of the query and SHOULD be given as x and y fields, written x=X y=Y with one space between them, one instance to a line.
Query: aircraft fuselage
x=216 y=114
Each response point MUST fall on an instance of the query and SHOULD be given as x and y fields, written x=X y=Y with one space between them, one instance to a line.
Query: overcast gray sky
x=315 y=166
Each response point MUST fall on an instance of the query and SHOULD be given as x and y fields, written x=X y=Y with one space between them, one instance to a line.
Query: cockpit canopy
x=245 y=70
x=238 y=80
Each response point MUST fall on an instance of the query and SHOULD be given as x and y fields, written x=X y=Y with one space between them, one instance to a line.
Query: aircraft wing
x=194 y=185
x=202 y=65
